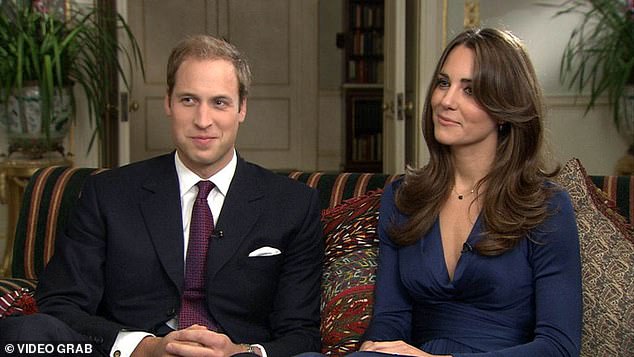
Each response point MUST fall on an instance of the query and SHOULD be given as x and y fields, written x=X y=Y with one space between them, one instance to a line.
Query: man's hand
x=151 y=346
x=195 y=340
x=394 y=347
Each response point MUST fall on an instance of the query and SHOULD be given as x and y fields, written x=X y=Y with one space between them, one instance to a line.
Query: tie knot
x=204 y=187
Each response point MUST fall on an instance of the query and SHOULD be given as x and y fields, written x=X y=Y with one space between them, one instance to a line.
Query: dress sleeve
x=556 y=263
x=392 y=314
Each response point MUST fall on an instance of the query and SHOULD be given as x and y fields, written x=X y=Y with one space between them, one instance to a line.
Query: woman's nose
x=449 y=99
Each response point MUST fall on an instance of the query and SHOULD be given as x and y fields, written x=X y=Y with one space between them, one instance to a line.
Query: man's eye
x=187 y=101
x=220 y=103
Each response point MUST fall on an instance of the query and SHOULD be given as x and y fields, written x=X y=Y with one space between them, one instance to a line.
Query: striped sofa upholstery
x=48 y=198
x=620 y=191
x=52 y=192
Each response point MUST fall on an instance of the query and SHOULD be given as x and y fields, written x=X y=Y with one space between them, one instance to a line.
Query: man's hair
x=206 y=47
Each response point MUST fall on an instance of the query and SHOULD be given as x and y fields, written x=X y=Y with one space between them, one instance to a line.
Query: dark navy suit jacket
x=119 y=263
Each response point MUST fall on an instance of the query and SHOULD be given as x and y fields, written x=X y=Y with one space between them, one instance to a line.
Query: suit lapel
x=161 y=210
x=241 y=209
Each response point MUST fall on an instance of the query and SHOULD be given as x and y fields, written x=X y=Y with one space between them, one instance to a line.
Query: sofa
x=604 y=207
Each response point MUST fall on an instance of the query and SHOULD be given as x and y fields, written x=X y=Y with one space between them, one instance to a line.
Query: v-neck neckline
x=459 y=268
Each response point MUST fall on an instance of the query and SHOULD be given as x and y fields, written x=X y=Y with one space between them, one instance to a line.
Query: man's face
x=206 y=112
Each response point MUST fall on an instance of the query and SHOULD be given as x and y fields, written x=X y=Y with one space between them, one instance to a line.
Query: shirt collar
x=222 y=179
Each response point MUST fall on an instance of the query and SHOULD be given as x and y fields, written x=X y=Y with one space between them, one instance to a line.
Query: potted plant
x=44 y=54
x=599 y=56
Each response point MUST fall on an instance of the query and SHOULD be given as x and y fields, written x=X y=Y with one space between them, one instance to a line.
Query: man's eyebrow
x=185 y=94
x=222 y=97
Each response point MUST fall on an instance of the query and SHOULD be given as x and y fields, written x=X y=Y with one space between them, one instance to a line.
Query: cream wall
x=330 y=128
x=591 y=138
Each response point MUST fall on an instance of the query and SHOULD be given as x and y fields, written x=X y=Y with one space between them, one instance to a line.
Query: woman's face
x=459 y=121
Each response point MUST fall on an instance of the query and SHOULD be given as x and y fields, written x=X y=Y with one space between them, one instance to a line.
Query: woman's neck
x=470 y=168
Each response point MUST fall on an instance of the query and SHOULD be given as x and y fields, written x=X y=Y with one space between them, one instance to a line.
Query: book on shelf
x=367 y=148
x=367 y=15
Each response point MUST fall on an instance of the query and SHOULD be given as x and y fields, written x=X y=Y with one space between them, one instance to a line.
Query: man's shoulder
x=273 y=180
x=139 y=170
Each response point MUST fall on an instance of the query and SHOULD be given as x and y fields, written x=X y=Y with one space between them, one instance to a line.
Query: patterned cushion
x=17 y=302
x=349 y=272
x=351 y=225
x=607 y=258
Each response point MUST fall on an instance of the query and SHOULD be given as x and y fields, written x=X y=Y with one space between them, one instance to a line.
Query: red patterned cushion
x=347 y=300
x=18 y=302
x=351 y=225
x=349 y=272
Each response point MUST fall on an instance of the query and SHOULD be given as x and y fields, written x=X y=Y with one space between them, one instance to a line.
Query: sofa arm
x=8 y=285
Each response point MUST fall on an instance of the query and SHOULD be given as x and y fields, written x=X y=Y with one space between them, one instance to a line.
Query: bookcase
x=364 y=41
x=363 y=84
x=364 y=129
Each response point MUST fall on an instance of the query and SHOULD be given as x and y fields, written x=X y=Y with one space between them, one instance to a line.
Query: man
x=120 y=273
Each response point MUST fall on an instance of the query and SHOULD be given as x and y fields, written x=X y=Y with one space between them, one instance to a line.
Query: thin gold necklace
x=463 y=195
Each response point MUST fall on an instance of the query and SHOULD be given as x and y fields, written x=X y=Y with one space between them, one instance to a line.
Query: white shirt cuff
x=261 y=349
x=126 y=342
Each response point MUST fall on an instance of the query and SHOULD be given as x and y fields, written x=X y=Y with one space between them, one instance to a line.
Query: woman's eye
x=468 y=91
x=442 y=82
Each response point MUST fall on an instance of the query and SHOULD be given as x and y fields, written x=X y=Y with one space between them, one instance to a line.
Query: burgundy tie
x=193 y=309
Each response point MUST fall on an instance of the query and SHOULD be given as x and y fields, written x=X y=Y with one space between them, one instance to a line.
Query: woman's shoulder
x=392 y=187
x=389 y=198
x=559 y=196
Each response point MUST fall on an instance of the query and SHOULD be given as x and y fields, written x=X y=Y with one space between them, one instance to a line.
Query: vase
x=24 y=122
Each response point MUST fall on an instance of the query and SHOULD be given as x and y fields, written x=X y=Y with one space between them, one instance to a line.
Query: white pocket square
x=265 y=252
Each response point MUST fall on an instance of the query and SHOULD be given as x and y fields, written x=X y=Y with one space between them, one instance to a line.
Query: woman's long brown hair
x=513 y=193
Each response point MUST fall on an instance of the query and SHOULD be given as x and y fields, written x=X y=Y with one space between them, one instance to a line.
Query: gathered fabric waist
x=479 y=329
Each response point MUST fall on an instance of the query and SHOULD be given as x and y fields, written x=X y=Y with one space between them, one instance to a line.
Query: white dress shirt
x=127 y=341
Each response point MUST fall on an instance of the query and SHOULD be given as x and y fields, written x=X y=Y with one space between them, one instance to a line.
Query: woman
x=479 y=252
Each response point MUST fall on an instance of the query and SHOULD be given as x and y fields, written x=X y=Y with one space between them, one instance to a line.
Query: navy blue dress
x=525 y=302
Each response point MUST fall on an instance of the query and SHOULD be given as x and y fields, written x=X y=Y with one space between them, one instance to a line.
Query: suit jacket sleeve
x=72 y=285
x=119 y=262
x=296 y=316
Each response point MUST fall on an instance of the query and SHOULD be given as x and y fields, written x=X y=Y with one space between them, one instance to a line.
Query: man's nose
x=204 y=116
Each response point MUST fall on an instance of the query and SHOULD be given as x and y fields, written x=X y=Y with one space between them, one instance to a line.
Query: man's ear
x=167 y=105
x=243 y=110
